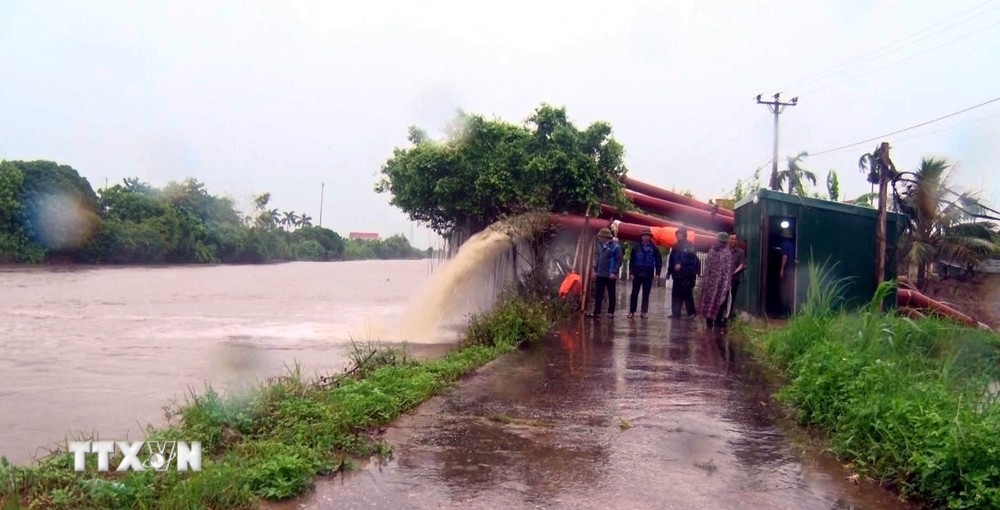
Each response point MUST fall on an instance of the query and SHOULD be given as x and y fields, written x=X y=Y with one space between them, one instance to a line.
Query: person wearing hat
x=644 y=265
x=683 y=266
x=716 y=283
x=607 y=262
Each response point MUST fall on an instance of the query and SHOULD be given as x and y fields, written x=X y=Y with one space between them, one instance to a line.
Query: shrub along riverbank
x=911 y=403
x=269 y=442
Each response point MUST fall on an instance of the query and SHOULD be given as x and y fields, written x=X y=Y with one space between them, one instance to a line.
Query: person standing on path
x=683 y=267
x=717 y=281
x=739 y=264
x=787 y=272
x=644 y=265
x=607 y=262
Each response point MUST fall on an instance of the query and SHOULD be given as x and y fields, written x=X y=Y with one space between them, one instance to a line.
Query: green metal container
x=839 y=236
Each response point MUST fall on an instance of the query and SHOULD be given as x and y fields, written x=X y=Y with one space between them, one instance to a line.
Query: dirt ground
x=977 y=296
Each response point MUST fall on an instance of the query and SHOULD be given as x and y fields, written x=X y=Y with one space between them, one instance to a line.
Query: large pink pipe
x=626 y=231
x=672 y=196
x=608 y=211
x=915 y=299
x=679 y=212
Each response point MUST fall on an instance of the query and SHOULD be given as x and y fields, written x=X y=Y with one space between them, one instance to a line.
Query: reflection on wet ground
x=608 y=414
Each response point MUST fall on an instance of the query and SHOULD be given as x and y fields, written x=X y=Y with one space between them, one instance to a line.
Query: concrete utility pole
x=776 y=108
x=322 y=188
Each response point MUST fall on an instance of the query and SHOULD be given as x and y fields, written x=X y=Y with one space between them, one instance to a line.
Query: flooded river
x=101 y=350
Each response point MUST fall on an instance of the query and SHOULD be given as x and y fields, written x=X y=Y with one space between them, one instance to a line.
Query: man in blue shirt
x=644 y=265
x=607 y=262
x=787 y=273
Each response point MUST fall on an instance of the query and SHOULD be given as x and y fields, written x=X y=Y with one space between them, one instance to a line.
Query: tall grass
x=911 y=403
x=270 y=440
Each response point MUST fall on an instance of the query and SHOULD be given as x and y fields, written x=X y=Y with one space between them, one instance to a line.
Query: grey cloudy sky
x=279 y=96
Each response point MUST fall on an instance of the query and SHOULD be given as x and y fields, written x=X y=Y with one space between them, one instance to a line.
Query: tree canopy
x=485 y=169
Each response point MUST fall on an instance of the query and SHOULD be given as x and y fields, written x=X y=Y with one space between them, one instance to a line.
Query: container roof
x=812 y=203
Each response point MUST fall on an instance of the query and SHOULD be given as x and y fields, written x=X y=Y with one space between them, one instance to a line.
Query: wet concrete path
x=609 y=414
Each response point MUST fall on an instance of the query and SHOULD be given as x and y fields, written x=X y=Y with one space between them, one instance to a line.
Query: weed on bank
x=911 y=403
x=270 y=441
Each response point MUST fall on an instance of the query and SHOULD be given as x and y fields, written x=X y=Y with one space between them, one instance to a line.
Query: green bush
x=909 y=402
x=308 y=250
x=513 y=322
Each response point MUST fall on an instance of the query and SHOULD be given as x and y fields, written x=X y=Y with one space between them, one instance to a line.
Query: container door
x=779 y=235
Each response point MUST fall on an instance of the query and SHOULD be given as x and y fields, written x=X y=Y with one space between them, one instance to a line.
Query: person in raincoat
x=716 y=283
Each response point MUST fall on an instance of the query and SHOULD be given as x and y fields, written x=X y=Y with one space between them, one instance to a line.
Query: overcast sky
x=280 y=96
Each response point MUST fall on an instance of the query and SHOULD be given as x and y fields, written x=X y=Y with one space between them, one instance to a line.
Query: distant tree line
x=49 y=212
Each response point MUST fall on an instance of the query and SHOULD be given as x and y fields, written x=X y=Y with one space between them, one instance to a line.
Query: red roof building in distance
x=363 y=235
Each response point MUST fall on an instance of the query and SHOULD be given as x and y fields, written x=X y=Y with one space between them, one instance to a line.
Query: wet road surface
x=609 y=414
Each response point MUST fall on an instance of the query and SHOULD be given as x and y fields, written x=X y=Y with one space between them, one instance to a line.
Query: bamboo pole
x=588 y=244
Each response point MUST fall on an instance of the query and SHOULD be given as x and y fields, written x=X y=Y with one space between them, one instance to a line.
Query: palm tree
x=833 y=185
x=939 y=229
x=305 y=220
x=290 y=219
x=794 y=174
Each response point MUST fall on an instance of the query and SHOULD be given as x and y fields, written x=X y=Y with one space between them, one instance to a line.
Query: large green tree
x=15 y=246
x=485 y=169
x=59 y=206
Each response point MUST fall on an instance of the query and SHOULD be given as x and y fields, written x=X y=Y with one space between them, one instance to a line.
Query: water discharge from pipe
x=470 y=282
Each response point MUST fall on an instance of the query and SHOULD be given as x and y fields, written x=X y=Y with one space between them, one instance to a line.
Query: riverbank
x=269 y=440
x=909 y=404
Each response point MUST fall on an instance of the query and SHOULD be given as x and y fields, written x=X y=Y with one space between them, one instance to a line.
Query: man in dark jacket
x=644 y=265
x=607 y=262
x=684 y=267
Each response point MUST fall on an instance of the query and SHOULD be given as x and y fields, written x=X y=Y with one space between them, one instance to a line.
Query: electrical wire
x=894 y=46
x=725 y=123
x=915 y=126
x=896 y=62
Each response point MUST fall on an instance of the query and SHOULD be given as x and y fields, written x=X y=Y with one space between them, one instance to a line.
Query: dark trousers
x=640 y=282
x=605 y=284
x=732 y=301
x=682 y=292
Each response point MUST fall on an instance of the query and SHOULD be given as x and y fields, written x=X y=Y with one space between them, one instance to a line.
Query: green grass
x=269 y=441
x=909 y=403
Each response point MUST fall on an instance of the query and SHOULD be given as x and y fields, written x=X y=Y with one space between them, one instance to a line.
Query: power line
x=900 y=61
x=894 y=46
x=949 y=128
x=855 y=144
x=722 y=124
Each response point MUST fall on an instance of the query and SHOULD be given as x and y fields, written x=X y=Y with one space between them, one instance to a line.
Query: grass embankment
x=271 y=442
x=911 y=403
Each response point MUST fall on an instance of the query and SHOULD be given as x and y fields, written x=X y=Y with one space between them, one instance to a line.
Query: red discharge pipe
x=914 y=299
x=672 y=196
x=645 y=219
x=632 y=231
x=680 y=212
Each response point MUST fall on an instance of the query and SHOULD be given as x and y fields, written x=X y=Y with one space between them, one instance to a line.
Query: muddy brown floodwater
x=98 y=350
x=612 y=415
